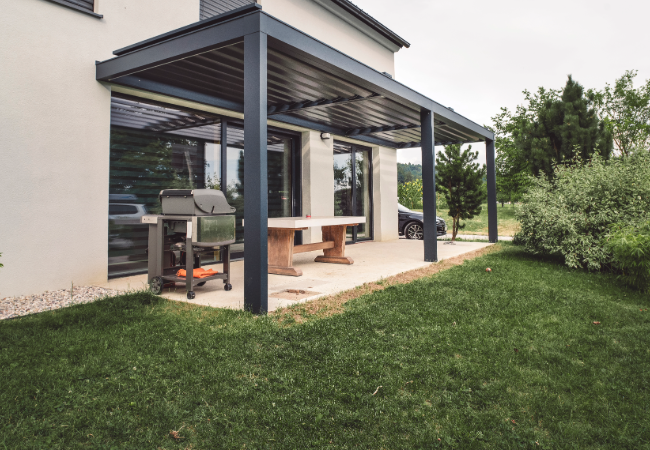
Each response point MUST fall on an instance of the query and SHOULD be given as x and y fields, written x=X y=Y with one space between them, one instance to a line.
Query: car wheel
x=414 y=230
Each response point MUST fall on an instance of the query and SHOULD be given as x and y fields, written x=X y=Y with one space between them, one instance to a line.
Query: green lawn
x=507 y=223
x=464 y=359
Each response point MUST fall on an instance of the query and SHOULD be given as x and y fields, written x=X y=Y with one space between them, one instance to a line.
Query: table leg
x=281 y=252
x=335 y=255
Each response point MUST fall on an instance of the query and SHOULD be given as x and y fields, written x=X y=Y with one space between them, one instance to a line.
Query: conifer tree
x=564 y=128
x=460 y=179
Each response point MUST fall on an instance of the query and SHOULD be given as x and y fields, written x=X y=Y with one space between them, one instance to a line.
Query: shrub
x=629 y=246
x=571 y=214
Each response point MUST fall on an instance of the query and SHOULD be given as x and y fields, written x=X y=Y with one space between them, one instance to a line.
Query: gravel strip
x=49 y=300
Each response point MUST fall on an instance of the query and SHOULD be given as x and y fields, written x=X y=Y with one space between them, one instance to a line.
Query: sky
x=477 y=56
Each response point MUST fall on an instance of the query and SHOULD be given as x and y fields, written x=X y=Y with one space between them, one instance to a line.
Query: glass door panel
x=343 y=183
x=279 y=165
x=362 y=191
x=353 y=187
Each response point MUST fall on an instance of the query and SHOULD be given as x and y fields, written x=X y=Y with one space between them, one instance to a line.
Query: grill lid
x=200 y=201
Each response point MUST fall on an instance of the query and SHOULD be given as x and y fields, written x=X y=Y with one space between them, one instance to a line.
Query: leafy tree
x=408 y=172
x=626 y=112
x=404 y=175
x=460 y=179
x=563 y=128
x=512 y=165
x=410 y=194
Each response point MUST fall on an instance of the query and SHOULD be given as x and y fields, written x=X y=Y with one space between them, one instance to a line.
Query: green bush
x=572 y=214
x=629 y=246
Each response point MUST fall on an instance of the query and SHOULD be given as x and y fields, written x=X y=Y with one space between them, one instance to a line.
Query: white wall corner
x=384 y=187
x=317 y=180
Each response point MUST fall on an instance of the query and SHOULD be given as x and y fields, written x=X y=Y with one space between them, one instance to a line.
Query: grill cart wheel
x=156 y=285
x=227 y=287
x=414 y=231
x=191 y=295
x=202 y=283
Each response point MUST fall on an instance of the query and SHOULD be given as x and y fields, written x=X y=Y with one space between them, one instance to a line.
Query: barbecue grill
x=193 y=221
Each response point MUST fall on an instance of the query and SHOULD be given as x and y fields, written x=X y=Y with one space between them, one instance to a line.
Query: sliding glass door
x=156 y=146
x=281 y=159
x=353 y=187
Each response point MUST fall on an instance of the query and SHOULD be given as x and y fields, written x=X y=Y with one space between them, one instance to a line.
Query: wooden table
x=282 y=248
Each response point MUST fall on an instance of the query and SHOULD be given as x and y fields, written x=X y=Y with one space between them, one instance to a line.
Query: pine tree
x=563 y=128
x=460 y=179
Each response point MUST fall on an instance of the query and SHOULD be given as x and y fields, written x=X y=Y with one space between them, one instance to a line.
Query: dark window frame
x=77 y=8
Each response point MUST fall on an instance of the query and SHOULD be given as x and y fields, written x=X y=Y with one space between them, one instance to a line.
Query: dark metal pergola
x=248 y=61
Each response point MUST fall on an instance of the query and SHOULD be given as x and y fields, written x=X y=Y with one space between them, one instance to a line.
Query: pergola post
x=493 y=230
x=224 y=157
x=429 y=187
x=256 y=279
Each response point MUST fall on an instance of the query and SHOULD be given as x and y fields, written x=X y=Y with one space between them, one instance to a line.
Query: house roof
x=373 y=23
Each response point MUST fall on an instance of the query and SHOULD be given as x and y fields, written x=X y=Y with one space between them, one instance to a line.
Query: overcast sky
x=478 y=55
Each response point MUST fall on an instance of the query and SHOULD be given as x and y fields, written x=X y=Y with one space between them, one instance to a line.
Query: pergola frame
x=260 y=32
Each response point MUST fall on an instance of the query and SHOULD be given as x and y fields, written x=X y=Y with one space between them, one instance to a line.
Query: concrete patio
x=372 y=262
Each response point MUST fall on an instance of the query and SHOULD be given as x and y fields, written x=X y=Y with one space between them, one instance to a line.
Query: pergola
x=250 y=62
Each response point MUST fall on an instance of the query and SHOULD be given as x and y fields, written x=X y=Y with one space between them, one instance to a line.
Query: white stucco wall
x=384 y=168
x=329 y=24
x=317 y=181
x=54 y=140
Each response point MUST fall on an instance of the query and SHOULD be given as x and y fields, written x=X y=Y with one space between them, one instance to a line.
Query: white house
x=90 y=134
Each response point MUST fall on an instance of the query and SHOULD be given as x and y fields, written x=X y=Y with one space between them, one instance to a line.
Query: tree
x=563 y=128
x=512 y=165
x=410 y=194
x=460 y=179
x=404 y=175
x=626 y=112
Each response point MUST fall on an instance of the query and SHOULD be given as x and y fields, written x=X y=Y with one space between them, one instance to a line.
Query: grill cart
x=193 y=221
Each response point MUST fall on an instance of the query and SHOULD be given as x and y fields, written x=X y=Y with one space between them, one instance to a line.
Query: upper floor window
x=85 y=6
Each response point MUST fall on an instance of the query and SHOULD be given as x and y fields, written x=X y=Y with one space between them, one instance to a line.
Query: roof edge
x=373 y=23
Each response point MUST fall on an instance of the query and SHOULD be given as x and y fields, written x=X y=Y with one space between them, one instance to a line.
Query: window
x=85 y=6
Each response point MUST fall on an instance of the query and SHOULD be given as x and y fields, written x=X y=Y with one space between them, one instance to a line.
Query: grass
x=507 y=224
x=463 y=359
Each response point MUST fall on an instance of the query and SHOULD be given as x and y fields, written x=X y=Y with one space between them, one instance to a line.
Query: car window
x=401 y=208
x=122 y=209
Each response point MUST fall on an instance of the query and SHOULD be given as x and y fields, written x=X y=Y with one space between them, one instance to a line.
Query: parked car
x=125 y=209
x=411 y=223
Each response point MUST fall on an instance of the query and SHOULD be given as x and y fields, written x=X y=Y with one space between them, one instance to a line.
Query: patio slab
x=373 y=261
